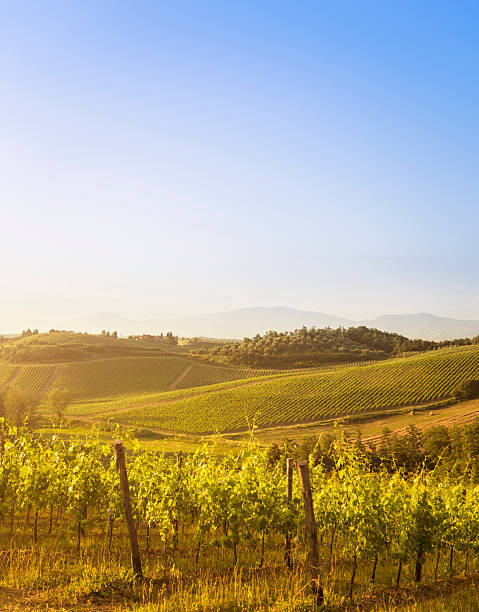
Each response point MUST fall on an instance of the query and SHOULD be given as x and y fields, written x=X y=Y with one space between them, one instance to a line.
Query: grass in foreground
x=53 y=575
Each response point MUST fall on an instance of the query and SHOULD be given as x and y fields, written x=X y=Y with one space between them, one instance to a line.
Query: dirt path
x=180 y=377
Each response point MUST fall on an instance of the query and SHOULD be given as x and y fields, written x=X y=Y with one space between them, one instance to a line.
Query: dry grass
x=53 y=575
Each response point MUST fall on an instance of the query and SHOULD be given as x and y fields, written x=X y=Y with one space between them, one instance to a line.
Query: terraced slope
x=103 y=406
x=301 y=397
x=126 y=376
x=200 y=375
x=110 y=378
x=33 y=379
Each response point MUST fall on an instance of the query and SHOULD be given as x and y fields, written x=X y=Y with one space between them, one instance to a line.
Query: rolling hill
x=162 y=390
x=60 y=347
x=116 y=377
x=99 y=367
x=295 y=397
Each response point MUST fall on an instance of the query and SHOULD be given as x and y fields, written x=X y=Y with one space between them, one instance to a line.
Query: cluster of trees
x=168 y=338
x=108 y=334
x=19 y=407
x=316 y=346
x=451 y=449
x=28 y=332
x=468 y=389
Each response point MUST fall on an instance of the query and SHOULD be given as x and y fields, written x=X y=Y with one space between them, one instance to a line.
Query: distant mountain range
x=250 y=321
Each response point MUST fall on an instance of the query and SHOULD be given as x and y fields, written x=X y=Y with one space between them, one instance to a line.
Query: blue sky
x=191 y=157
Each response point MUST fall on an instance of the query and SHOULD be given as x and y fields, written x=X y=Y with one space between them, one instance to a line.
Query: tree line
x=446 y=450
x=316 y=346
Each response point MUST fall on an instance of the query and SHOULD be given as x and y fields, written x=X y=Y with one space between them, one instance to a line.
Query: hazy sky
x=191 y=157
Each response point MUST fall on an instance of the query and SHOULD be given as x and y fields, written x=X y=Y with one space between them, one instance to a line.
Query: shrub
x=468 y=389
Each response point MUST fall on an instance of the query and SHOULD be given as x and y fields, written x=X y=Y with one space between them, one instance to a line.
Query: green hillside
x=122 y=375
x=103 y=367
x=58 y=347
x=115 y=377
x=199 y=375
x=298 y=398
x=151 y=387
x=34 y=380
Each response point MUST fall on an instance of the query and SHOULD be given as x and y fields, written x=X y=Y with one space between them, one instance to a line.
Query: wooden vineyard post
x=289 y=497
x=311 y=530
x=179 y=462
x=125 y=493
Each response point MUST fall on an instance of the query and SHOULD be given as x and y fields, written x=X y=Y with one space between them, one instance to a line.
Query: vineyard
x=104 y=368
x=201 y=375
x=224 y=531
x=109 y=378
x=106 y=405
x=297 y=397
x=169 y=393
x=112 y=378
x=32 y=379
